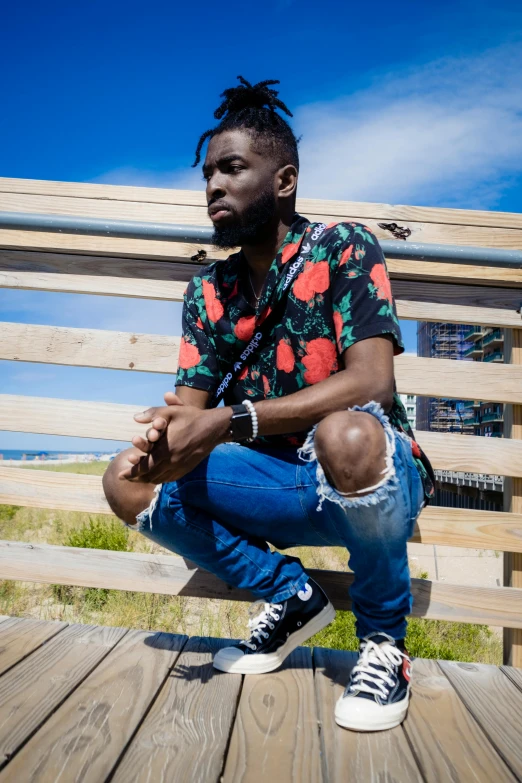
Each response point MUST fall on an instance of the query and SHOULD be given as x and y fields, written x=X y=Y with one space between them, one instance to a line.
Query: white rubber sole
x=263 y=663
x=365 y=715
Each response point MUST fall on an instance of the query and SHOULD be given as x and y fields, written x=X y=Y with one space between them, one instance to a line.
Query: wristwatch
x=241 y=427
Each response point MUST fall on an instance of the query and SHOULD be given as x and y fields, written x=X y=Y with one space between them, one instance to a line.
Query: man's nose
x=216 y=186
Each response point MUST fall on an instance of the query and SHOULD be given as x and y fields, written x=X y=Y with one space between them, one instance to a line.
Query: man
x=312 y=446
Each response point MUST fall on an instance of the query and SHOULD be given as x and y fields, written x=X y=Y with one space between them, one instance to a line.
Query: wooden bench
x=157 y=269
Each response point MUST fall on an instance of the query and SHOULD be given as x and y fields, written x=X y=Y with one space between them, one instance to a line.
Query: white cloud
x=446 y=133
x=449 y=133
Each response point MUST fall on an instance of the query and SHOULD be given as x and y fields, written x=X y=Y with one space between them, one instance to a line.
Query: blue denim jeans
x=223 y=513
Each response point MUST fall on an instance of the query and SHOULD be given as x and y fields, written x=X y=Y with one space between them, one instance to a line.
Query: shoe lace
x=261 y=616
x=375 y=668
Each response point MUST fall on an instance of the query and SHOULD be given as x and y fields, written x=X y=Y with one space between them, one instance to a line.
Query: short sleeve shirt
x=342 y=295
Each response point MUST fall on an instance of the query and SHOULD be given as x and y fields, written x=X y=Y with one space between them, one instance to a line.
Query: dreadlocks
x=252 y=107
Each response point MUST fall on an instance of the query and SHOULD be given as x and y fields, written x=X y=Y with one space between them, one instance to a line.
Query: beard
x=251 y=227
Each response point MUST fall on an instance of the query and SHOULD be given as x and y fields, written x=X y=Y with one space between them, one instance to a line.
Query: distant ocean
x=19 y=453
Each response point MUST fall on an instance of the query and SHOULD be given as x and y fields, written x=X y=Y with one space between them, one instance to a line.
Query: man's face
x=241 y=192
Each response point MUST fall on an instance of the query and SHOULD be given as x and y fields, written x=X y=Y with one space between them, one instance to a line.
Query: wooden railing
x=431 y=291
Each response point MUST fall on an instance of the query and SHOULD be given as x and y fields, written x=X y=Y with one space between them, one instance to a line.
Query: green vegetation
x=425 y=639
x=177 y=614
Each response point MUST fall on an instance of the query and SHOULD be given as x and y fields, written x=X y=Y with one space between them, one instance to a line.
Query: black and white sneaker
x=378 y=693
x=276 y=630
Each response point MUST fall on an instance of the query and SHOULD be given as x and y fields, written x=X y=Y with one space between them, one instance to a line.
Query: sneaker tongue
x=379 y=638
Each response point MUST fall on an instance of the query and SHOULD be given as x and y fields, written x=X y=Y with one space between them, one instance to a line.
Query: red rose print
x=338 y=326
x=289 y=251
x=415 y=449
x=331 y=225
x=346 y=255
x=285 y=360
x=243 y=374
x=266 y=386
x=213 y=305
x=314 y=279
x=199 y=323
x=352 y=274
x=381 y=282
x=244 y=329
x=320 y=360
x=188 y=355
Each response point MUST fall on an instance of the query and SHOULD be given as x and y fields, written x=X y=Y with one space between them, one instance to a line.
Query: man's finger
x=171 y=398
x=139 y=470
x=143 y=444
x=146 y=416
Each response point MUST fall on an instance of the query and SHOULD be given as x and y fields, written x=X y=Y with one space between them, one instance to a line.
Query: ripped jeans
x=223 y=513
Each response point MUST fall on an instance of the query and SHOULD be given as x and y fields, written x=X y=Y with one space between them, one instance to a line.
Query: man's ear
x=286 y=181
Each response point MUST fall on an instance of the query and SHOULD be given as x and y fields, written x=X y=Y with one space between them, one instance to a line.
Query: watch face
x=241 y=425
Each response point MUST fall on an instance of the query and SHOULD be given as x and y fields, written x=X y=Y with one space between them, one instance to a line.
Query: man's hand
x=180 y=437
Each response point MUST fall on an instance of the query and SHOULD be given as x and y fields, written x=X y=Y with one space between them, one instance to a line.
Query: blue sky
x=410 y=102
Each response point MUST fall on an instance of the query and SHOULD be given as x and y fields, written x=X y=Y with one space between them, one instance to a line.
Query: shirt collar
x=291 y=244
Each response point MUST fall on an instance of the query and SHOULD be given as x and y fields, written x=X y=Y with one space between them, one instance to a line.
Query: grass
x=194 y=616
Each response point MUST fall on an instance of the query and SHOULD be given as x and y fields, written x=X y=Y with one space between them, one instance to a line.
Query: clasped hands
x=179 y=438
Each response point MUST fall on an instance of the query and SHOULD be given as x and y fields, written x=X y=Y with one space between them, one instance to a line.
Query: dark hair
x=252 y=107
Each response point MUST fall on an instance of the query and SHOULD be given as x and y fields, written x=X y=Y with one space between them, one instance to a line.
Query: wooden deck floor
x=88 y=703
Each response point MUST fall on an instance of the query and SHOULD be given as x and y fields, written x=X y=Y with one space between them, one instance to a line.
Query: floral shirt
x=342 y=295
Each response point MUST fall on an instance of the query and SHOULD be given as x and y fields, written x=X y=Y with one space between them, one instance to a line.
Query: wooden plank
x=189 y=214
x=447 y=742
x=170 y=575
x=379 y=757
x=495 y=703
x=45 y=489
x=486 y=301
x=89 y=348
x=436 y=525
x=382 y=211
x=185 y=735
x=438 y=272
x=158 y=353
x=515 y=675
x=18 y=639
x=85 y=737
x=513 y=499
x=33 y=689
x=461 y=380
x=484 y=305
x=412 y=280
x=146 y=271
x=456 y=314
x=175 y=251
x=112 y=421
x=276 y=732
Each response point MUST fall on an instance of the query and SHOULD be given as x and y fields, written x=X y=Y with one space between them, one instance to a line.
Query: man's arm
x=367 y=375
x=192 y=432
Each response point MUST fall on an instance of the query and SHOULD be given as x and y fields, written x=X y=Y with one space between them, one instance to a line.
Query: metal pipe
x=70 y=224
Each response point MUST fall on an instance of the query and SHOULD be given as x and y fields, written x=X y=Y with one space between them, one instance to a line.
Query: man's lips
x=217 y=212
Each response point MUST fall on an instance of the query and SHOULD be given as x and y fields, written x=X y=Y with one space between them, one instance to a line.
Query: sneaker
x=276 y=630
x=377 y=695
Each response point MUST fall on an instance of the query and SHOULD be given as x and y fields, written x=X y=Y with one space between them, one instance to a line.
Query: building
x=443 y=341
x=410 y=405
x=485 y=345
x=465 y=343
